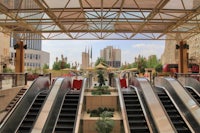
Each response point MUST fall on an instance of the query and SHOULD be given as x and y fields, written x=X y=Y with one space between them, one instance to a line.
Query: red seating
x=77 y=84
x=123 y=83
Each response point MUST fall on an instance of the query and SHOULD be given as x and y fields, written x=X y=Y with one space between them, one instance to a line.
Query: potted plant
x=105 y=124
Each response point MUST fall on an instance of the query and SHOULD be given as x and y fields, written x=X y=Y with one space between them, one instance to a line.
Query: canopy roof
x=100 y=19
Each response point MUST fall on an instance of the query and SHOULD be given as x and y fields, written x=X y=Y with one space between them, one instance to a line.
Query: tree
x=159 y=68
x=56 y=66
x=60 y=65
x=152 y=62
x=141 y=64
x=46 y=66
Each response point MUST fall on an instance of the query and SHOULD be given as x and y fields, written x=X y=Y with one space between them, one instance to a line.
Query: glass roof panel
x=177 y=4
x=101 y=18
x=101 y=3
x=62 y=4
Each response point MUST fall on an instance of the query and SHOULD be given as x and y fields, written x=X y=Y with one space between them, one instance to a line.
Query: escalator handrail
x=143 y=108
x=63 y=100
x=28 y=109
x=160 y=113
x=33 y=85
x=183 y=100
x=43 y=111
x=193 y=89
x=188 y=81
x=178 y=109
x=122 y=107
x=80 y=106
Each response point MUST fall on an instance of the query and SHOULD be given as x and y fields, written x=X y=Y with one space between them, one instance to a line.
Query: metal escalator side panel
x=122 y=107
x=162 y=122
x=184 y=101
x=18 y=113
x=188 y=81
x=32 y=113
x=54 y=111
x=41 y=120
x=193 y=93
x=67 y=114
x=148 y=122
x=176 y=115
x=80 y=107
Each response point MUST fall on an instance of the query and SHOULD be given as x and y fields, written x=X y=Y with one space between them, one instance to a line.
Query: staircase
x=173 y=113
x=67 y=116
x=29 y=120
x=136 y=118
x=16 y=99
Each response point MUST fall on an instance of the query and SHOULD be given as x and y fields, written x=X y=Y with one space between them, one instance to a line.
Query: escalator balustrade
x=29 y=120
x=173 y=113
x=67 y=114
x=136 y=118
x=193 y=94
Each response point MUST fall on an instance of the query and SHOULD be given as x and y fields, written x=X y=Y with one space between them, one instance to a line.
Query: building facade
x=4 y=52
x=171 y=56
x=34 y=57
x=85 y=60
x=112 y=56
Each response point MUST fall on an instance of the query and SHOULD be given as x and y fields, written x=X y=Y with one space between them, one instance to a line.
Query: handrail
x=143 y=108
x=60 y=109
x=42 y=117
x=79 y=111
x=123 y=108
x=183 y=100
x=28 y=110
x=180 y=112
x=190 y=87
x=162 y=122
x=36 y=87
x=188 y=81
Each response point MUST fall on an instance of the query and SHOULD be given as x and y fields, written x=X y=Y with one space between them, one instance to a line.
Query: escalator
x=173 y=113
x=136 y=118
x=16 y=116
x=193 y=94
x=185 y=104
x=32 y=114
x=67 y=115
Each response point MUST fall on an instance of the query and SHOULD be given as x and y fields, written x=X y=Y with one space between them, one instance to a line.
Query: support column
x=19 y=62
x=183 y=57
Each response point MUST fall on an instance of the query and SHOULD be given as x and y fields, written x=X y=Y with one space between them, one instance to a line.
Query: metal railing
x=9 y=80
x=192 y=75
x=123 y=108
x=80 y=107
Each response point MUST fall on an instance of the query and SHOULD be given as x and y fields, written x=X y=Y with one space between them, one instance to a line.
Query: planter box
x=96 y=101
x=89 y=123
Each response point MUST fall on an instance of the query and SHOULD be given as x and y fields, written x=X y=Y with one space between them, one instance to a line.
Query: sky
x=130 y=49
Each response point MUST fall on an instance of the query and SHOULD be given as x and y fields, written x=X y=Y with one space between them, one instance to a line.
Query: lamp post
x=183 y=57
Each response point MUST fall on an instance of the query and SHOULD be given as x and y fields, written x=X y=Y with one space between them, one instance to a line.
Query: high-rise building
x=34 y=56
x=112 y=56
x=85 y=60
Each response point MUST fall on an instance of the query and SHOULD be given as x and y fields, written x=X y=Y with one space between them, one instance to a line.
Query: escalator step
x=139 y=129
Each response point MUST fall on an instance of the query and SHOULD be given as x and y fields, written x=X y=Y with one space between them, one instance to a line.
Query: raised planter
x=96 y=101
x=89 y=123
